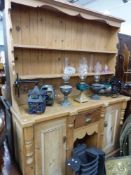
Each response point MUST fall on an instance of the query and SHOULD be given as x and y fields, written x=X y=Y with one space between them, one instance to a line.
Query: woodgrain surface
x=40 y=35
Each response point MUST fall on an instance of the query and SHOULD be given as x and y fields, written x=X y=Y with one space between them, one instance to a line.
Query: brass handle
x=70 y=125
x=88 y=119
x=105 y=124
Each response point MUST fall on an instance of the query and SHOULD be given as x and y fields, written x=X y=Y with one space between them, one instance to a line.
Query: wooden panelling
x=112 y=127
x=43 y=38
x=50 y=148
x=35 y=62
x=18 y=143
x=55 y=30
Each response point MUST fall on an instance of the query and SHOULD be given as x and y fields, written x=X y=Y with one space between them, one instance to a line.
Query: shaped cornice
x=72 y=10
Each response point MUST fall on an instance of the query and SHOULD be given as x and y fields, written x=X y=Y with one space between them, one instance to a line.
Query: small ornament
x=98 y=68
x=116 y=85
x=106 y=69
x=36 y=103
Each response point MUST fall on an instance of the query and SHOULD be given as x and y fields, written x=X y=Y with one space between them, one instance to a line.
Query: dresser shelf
x=21 y=46
x=48 y=76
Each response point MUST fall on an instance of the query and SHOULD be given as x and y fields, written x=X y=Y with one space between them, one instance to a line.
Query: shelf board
x=127 y=72
x=61 y=49
x=49 y=76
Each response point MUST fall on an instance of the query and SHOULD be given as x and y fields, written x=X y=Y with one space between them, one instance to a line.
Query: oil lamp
x=96 y=87
x=82 y=86
x=66 y=88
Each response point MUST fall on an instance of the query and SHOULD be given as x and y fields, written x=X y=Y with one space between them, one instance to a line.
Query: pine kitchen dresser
x=39 y=35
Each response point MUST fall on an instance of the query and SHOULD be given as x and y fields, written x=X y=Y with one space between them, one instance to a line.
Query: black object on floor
x=87 y=161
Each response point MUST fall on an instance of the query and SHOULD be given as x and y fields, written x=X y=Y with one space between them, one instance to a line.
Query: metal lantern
x=36 y=103
x=47 y=91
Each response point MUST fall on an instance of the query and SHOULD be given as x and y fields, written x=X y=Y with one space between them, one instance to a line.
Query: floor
x=7 y=166
x=119 y=165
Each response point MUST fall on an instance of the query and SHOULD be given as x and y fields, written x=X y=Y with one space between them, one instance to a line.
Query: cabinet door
x=111 y=128
x=50 y=148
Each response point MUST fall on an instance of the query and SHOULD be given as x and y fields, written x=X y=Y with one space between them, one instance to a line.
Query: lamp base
x=65 y=103
x=95 y=97
x=82 y=98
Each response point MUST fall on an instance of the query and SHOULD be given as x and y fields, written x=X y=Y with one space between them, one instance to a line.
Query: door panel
x=50 y=149
x=111 y=128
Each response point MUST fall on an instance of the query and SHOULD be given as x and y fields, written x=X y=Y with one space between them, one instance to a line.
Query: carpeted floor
x=7 y=166
x=119 y=166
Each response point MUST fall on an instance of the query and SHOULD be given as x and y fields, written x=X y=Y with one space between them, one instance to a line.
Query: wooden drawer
x=86 y=118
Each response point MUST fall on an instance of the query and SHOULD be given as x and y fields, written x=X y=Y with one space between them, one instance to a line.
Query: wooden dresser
x=44 y=142
x=40 y=34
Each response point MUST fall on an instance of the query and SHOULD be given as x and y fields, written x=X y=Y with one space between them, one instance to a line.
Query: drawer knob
x=88 y=120
x=70 y=125
x=64 y=139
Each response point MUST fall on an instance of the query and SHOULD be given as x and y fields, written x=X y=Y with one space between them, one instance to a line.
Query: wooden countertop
x=57 y=111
